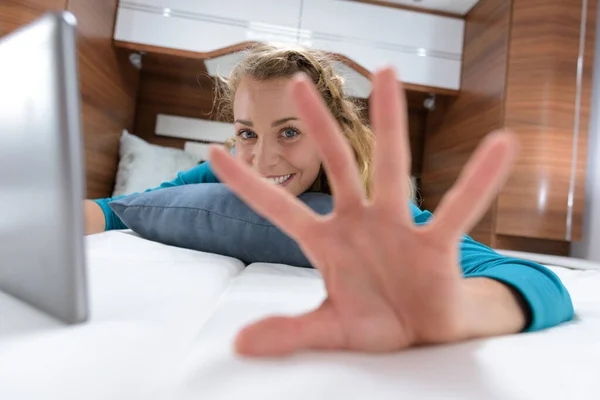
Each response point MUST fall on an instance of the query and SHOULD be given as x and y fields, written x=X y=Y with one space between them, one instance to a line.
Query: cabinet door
x=425 y=48
x=548 y=98
x=204 y=26
x=276 y=12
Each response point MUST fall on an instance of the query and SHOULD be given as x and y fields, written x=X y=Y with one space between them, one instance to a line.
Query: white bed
x=163 y=320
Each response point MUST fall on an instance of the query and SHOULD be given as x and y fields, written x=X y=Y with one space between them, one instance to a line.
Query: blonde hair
x=268 y=61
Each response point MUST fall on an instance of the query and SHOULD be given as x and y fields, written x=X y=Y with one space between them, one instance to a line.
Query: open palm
x=390 y=284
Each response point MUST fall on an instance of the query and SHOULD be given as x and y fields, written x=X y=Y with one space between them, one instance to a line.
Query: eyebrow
x=244 y=122
x=274 y=124
x=283 y=121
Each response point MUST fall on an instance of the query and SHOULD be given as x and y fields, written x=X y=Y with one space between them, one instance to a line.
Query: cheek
x=314 y=163
x=243 y=153
x=304 y=158
x=313 y=160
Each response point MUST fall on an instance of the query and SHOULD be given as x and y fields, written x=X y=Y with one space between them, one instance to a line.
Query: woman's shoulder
x=201 y=173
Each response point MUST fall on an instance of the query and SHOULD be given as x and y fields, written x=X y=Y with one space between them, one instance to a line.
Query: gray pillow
x=209 y=217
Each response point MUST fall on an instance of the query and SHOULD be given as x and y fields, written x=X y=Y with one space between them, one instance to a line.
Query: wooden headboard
x=174 y=86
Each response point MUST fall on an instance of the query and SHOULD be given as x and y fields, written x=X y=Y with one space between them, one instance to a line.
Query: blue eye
x=247 y=134
x=289 y=133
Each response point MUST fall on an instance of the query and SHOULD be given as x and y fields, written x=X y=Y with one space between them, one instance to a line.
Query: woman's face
x=271 y=138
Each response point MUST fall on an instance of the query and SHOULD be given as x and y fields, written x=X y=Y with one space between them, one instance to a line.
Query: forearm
x=492 y=308
x=111 y=220
x=99 y=217
x=94 y=218
x=541 y=290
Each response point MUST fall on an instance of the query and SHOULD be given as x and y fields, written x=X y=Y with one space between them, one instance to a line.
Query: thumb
x=280 y=336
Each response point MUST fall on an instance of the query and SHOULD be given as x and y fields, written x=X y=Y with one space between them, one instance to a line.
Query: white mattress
x=163 y=320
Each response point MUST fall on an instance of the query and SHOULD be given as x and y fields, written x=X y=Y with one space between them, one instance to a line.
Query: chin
x=296 y=186
x=293 y=190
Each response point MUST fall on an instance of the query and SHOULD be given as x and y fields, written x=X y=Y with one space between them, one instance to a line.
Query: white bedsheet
x=163 y=320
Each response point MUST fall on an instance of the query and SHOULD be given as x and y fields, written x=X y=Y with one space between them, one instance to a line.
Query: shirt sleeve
x=201 y=173
x=548 y=300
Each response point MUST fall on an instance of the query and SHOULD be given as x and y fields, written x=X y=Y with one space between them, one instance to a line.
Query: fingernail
x=300 y=76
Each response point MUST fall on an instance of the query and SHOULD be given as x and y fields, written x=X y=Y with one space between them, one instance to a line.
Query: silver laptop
x=41 y=169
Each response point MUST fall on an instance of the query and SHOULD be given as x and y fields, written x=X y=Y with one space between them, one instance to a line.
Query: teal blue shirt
x=201 y=173
x=548 y=300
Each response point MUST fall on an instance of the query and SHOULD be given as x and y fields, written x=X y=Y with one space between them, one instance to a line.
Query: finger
x=392 y=150
x=280 y=336
x=337 y=156
x=481 y=179
x=287 y=212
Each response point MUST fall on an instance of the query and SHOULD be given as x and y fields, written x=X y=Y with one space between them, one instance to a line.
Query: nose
x=265 y=155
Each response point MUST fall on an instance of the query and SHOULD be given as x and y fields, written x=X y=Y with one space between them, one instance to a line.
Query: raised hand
x=390 y=284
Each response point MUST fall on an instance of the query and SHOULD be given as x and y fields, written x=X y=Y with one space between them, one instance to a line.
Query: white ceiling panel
x=452 y=6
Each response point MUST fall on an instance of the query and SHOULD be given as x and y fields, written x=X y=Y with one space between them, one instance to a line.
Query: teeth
x=279 y=180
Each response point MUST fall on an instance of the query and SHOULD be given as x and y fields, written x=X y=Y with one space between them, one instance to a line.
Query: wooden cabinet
x=527 y=67
x=426 y=48
x=206 y=26
x=548 y=94
x=282 y=13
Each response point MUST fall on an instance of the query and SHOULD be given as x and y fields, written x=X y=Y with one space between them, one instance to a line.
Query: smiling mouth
x=280 y=180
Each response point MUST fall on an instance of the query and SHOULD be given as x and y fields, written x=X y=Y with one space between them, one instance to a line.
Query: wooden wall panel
x=458 y=124
x=172 y=85
x=16 y=13
x=417 y=125
x=541 y=107
x=107 y=81
x=532 y=245
x=108 y=85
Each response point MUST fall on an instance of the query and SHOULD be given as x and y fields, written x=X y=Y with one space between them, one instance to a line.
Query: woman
x=391 y=283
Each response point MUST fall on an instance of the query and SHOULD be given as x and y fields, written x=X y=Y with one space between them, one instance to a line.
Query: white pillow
x=144 y=166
